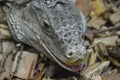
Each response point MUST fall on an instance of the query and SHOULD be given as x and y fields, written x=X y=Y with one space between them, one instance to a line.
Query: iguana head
x=59 y=29
x=64 y=27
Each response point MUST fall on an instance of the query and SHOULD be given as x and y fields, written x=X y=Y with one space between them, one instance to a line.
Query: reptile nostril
x=69 y=54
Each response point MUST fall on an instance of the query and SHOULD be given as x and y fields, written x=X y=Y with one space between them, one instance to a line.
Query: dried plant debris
x=84 y=6
x=112 y=75
x=19 y=61
x=95 y=69
x=4 y=32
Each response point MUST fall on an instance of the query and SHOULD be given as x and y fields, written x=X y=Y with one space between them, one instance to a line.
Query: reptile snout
x=75 y=54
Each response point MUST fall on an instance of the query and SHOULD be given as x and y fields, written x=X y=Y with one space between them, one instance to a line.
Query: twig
x=116 y=27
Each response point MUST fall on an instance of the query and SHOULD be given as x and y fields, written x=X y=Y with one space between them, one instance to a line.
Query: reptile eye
x=48 y=30
x=46 y=26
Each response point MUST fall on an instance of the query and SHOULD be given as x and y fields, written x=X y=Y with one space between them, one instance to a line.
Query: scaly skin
x=56 y=29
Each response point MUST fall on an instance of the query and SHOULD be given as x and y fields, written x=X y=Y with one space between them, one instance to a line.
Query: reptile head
x=59 y=27
x=64 y=27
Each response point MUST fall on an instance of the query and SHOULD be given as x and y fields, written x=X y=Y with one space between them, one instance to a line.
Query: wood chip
x=7 y=68
x=98 y=7
x=3 y=26
x=6 y=61
x=102 y=49
x=95 y=69
x=115 y=18
x=118 y=33
x=113 y=75
x=24 y=67
x=5 y=34
x=98 y=77
x=8 y=46
x=114 y=61
x=41 y=66
x=84 y=6
x=39 y=75
x=96 y=22
x=108 y=41
x=93 y=58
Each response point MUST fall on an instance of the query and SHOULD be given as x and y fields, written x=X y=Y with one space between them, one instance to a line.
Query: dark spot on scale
x=79 y=23
x=54 y=17
x=76 y=44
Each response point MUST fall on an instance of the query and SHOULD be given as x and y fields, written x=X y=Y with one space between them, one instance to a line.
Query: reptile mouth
x=60 y=62
x=70 y=67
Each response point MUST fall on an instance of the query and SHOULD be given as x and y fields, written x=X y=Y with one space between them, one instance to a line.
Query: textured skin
x=53 y=27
